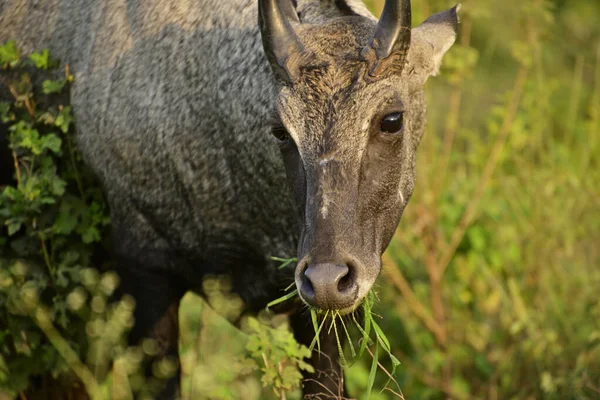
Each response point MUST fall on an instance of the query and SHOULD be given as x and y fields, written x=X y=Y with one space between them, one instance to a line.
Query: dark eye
x=392 y=123
x=280 y=133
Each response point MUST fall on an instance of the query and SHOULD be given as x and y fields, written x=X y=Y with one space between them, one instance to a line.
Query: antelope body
x=227 y=132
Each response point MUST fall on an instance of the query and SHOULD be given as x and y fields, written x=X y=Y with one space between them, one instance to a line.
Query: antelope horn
x=390 y=44
x=280 y=43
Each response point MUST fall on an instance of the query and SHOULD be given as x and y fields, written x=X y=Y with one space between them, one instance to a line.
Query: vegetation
x=490 y=286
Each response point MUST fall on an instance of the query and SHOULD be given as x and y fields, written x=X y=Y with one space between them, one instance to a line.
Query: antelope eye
x=392 y=123
x=280 y=133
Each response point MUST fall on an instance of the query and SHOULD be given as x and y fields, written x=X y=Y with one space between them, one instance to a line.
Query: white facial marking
x=323 y=163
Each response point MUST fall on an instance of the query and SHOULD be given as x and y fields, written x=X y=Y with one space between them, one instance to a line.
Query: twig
x=17 y=169
x=280 y=368
x=391 y=378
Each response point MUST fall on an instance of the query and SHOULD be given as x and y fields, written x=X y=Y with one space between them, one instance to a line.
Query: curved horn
x=391 y=40
x=280 y=42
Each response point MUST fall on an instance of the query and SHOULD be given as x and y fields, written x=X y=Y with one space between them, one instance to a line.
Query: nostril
x=328 y=285
x=306 y=281
x=306 y=287
x=348 y=279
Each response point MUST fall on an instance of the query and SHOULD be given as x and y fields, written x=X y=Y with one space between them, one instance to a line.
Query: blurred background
x=491 y=287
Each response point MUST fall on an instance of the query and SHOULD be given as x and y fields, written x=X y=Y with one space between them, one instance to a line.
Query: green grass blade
x=365 y=332
x=313 y=316
x=352 y=350
x=385 y=343
x=283 y=298
x=333 y=317
x=316 y=338
x=285 y=261
x=339 y=346
x=372 y=373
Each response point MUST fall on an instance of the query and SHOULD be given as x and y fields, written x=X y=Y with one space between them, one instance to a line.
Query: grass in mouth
x=319 y=320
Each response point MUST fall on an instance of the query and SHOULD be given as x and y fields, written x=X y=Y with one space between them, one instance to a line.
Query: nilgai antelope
x=227 y=132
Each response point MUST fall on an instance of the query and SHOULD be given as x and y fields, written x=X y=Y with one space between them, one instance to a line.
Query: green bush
x=52 y=218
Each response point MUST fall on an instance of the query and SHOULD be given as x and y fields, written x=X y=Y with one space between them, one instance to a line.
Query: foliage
x=277 y=347
x=261 y=360
x=51 y=218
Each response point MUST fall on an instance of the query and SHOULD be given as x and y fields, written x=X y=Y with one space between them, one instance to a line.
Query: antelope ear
x=431 y=40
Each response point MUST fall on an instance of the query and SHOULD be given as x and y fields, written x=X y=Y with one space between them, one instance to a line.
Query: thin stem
x=280 y=368
x=17 y=169
x=390 y=377
x=74 y=166
x=46 y=255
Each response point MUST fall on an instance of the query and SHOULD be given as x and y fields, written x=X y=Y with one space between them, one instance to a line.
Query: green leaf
x=372 y=373
x=385 y=343
x=51 y=142
x=67 y=219
x=316 y=338
x=352 y=350
x=64 y=119
x=49 y=86
x=41 y=60
x=365 y=332
x=283 y=298
x=343 y=361
x=11 y=193
x=9 y=54
x=13 y=227
x=58 y=186
x=284 y=261
x=28 y=137
x=91 y=235
x=4 y=111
